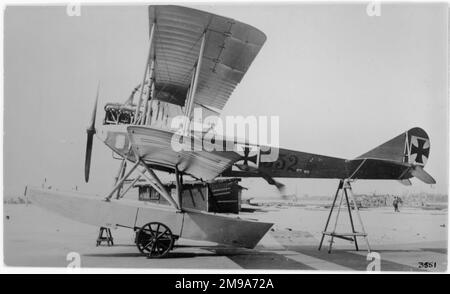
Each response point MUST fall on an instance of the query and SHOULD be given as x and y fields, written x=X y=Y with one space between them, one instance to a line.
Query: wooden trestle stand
x=344 y=190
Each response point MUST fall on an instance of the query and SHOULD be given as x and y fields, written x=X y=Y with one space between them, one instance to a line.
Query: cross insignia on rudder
x=420 y=150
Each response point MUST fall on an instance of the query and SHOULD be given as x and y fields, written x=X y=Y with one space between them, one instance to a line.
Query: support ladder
x=344 y=190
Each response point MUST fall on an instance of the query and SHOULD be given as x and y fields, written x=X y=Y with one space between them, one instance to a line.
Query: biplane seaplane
x=195 y=60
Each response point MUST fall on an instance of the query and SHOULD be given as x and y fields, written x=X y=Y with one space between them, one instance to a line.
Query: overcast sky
x=341 y=81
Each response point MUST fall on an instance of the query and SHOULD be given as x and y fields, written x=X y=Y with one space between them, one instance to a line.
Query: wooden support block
x=107 y=238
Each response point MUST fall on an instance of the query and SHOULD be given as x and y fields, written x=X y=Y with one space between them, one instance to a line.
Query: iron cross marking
x=420 y=150
x=247 y=158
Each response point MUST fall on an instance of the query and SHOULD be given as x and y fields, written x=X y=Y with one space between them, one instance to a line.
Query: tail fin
x=410 y=149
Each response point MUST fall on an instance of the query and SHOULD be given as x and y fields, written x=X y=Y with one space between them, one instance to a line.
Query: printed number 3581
x=427 y=264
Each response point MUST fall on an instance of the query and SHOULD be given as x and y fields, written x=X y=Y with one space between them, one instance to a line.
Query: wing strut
x=138 y=107
x=194 y=82
x=156 y=183
x=152 y=179
x=148 y=104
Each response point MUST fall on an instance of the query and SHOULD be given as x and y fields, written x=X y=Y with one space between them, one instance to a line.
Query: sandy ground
x=36 y=237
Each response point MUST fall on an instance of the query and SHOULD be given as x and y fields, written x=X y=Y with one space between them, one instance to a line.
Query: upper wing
x=230 y=48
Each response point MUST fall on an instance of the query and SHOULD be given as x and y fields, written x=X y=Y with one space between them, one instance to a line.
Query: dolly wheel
x=154 y=240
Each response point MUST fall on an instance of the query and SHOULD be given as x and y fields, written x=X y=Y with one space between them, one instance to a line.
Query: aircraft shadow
x=138 y=254
x=212 y=251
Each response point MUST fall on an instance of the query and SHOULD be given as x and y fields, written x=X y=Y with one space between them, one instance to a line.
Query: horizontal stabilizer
x=406 y=182
x=422 y=175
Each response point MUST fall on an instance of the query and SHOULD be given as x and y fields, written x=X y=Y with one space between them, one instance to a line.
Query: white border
x=46 y=270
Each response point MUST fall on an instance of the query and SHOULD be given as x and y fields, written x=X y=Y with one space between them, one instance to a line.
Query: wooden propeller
x=90 y=139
